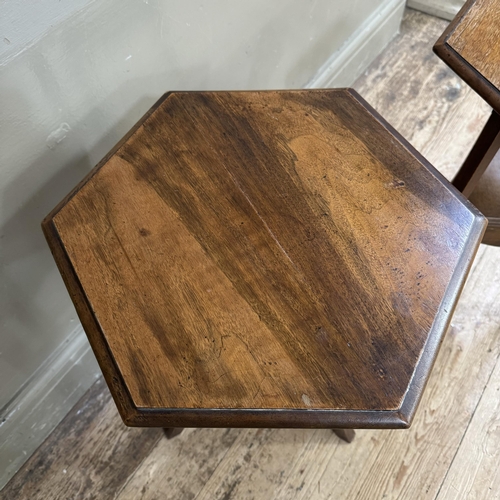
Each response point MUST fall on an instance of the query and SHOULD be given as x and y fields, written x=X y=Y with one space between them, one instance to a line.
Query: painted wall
x=447 y=9
x=74 y=77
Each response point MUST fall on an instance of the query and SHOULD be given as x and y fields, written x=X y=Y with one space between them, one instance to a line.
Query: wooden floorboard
x=453 y=447
x=90 y=454
x=475 y=470
x=180 y=467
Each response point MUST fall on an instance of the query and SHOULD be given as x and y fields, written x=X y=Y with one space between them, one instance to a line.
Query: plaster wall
x=74 y=77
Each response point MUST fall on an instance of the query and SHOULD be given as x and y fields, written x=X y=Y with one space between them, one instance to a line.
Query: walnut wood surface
x=453 y=447
x=264 y=259
x=477 y=39
x=471 y=47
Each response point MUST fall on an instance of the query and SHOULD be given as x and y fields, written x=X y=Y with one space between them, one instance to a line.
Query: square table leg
x=345 y=434
x=480 y=156
x=171 y=432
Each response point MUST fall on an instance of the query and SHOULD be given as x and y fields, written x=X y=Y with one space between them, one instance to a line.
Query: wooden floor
x=453 y=447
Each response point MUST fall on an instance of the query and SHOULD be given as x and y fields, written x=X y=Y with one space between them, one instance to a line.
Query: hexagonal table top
x=279 y=258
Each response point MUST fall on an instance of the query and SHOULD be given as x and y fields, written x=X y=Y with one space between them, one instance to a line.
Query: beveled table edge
x=470 y=75
x=265 y=417
x=268 y=418
x=443 y=317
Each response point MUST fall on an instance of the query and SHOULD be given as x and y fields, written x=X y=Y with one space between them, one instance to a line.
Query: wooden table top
x=471 y=47
x=268 y=259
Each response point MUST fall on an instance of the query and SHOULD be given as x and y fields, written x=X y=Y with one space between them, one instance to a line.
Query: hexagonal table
x=264 y=259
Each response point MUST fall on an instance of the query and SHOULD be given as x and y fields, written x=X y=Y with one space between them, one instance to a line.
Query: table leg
x=345 y=434
x=480 y=156
x=171 y=432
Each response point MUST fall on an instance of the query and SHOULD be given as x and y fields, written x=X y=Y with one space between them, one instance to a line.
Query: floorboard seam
x=217 y=466
x=299 y=456
x=130 y=476
x=467 y=428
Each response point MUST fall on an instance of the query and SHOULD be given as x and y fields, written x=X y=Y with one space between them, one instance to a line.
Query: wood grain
x=470 y=45
x=313 y=464
x=477 y=39
x=254 y=250
x=439 y=114
x=63 y=466
x=475 y=471
x=198 y=451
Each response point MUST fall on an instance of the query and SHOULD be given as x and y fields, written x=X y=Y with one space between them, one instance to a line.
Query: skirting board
x=60 y=382
x=367 y=42
x=446 y=9
x=44 y=401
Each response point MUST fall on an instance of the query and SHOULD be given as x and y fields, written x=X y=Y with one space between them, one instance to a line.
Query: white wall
x=73 y=79
x=447 y=9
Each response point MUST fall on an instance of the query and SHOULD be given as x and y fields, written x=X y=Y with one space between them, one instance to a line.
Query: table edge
x=442 y=320
x=248 y=417
x=443 y=317
x=476 y=81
